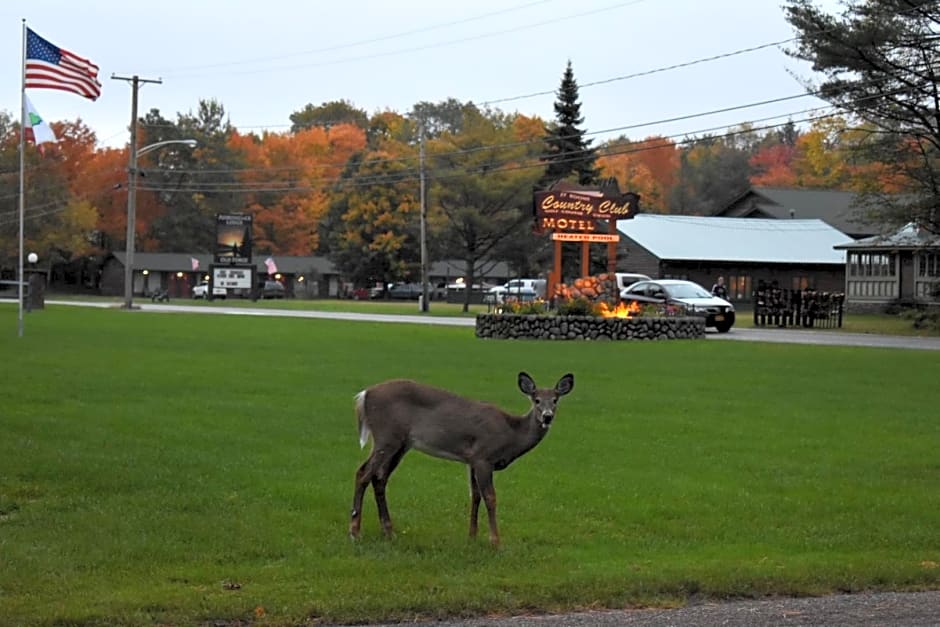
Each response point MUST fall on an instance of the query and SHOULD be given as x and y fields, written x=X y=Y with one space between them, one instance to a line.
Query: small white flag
x=36 y=129
x=272 y=267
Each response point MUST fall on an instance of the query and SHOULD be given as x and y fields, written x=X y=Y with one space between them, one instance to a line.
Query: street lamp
x=132 y=204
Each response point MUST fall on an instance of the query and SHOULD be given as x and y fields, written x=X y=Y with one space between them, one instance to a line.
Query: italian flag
x=37 y=131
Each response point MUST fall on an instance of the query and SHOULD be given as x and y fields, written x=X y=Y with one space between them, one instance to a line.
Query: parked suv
x=201 y=290
x=626 y=279
x=405 y=291
x=523 y=289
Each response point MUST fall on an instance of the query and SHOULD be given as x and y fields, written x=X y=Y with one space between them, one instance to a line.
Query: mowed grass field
x=185 y=469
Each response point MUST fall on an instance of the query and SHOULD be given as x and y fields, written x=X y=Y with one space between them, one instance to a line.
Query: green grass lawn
x=183 y=469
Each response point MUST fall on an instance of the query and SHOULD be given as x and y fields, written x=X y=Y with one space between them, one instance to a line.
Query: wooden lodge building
x=303 y=277
x=900 y=268
x=794 y=254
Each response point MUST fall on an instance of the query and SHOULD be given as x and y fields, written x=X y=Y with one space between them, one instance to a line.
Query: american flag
x=272 y=267
x=51 y=67
x=195 y=263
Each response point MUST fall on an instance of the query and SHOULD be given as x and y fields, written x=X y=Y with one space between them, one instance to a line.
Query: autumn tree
x=389 y=127
x=9 y=195
x=328 y=115
x=190 y=185
x=711 y=172
x=567 y=152
x=648 y=168
x=526 y=252
x=289 y=175
x=437 y=118
x=371 y=229
x=58 y=223
x=820 y=160
x=772 y=166
x=480 y=193
x=879 y=64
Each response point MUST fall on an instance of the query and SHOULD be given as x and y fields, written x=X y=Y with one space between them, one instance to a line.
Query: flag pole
x=22 y=178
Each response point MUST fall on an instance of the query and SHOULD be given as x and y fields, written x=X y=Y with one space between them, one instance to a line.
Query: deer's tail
x=364 y=431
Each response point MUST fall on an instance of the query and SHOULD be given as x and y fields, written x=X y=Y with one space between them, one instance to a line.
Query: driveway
x=787 y=336
x=882 y=609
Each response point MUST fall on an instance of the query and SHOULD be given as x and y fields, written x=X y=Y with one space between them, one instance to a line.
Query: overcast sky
x=266 y=60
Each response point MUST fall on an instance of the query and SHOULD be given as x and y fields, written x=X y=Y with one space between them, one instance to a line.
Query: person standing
x=719 y=289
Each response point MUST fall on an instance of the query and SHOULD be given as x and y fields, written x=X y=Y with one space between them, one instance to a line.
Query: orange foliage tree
x=59 y=220
x=289 y=174
x=647 y=167
x=772 y=166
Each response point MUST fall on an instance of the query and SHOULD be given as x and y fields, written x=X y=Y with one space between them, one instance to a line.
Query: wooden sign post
x=572 y=214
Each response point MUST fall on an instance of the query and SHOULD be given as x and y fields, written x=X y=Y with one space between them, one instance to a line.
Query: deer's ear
x=526 y=384
x=565 y=384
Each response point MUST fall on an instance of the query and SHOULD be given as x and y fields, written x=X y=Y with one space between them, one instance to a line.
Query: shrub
x=921 y=318
x=524 y=308
x=577 y=307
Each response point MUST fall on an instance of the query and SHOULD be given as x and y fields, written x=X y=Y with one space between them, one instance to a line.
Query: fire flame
x=622 y=310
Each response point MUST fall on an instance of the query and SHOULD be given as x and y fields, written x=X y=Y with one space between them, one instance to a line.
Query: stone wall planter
x=510 y=327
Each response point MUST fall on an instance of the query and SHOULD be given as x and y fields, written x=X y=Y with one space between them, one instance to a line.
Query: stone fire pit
x=532 y=327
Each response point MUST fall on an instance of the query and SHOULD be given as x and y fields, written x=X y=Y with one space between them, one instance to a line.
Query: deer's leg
x=474 y=503
x=385 y=469
x=484 y=476
x=363 y=478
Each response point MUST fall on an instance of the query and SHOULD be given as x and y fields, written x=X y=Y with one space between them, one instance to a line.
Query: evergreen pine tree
x=566 y=150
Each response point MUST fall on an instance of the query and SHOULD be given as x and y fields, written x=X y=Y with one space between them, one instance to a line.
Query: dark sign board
x=233 y=238
x=584 y=205
x=579 y=210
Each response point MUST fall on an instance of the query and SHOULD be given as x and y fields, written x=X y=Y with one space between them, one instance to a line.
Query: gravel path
x=881 y=609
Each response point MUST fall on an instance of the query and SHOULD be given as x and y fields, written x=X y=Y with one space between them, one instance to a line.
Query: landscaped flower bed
x=546 y=327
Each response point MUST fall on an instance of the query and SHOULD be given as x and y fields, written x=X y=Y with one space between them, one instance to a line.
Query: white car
x=201 y=290
x=692 y=297
x=523 y=289
x=626 y=279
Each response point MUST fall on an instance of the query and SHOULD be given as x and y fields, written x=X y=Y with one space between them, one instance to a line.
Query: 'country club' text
x=580 y=206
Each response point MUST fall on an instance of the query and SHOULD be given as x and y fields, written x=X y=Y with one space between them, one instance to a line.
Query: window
x=739 y=287
x=929 y=265
x=800 y=283
x=871 y=265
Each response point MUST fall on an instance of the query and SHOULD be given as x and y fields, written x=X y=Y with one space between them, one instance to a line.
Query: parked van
x=523 y=289
x=626 y=279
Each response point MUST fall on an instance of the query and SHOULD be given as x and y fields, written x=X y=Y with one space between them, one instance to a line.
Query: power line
x=365 y=42
x=292 y=185
x=535 y=141
x=410 y=175
x=604 y=81
x=443 y=44
x=658 y=70
x=649 y=72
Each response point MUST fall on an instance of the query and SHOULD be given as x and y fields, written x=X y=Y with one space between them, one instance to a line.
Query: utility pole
x=132 y=189
x=424 y=221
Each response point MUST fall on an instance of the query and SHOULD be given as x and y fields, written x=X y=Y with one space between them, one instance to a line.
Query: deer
x=401 y=414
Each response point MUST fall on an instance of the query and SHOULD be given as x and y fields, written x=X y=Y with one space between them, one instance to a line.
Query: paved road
x=789 y=336
x=884 y=609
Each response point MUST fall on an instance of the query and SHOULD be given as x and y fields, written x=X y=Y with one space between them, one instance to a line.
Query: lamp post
x=132 y=202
